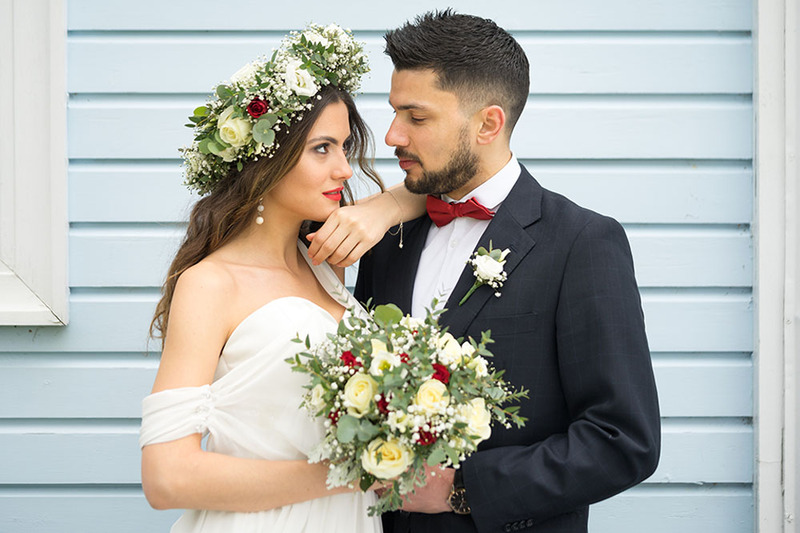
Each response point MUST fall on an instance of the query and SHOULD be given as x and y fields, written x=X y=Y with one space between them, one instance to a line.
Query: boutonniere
x=487 y=267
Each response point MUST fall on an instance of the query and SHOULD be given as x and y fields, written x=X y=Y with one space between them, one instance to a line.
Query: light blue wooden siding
x=640 y=109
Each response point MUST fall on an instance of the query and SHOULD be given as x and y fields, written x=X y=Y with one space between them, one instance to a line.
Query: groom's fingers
x=324 y=242
x=346 y=252
x=344 y=237
x=352 y=256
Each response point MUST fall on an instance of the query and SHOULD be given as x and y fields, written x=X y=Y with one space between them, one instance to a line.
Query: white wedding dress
x=251 y=410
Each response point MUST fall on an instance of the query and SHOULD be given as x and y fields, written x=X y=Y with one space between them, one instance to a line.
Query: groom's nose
x=396 y=136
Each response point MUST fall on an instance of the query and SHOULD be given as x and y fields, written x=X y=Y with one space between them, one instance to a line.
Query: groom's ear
x=493 y=121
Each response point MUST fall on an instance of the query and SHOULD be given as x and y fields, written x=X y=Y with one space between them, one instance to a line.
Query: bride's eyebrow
x=320 y=138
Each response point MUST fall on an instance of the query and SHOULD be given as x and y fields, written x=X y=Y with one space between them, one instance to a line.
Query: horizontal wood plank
x=655 y=509
x=700 y=509
x=560 y=63
x=694 y=192
x=551 y=127
x=682 y=15
x=117 y=321
x=54 y=510
x=716 y=452
x=139 y=257
x=69 y=387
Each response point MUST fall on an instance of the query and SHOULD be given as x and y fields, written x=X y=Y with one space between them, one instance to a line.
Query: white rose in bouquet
x=382 y=358
x=317 y=399
x=386 y=459
x=450 y=353
x=480 y=366
x=358 y=393
x=478 y=419
x=431 y=396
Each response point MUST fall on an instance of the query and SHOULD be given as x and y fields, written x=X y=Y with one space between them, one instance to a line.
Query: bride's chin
x=322 y=217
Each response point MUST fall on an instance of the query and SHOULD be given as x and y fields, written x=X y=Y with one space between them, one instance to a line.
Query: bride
x=271 y=152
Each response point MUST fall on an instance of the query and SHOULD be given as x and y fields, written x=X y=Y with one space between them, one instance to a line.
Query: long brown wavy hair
x=230 y=207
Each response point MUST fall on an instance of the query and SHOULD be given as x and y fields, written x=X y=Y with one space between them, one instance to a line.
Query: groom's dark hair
x=474 y=58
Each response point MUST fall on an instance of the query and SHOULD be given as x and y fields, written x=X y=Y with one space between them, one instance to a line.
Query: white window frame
x=34 y=229
x=777 y=255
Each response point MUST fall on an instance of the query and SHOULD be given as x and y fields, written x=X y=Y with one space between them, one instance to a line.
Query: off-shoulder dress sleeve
x=176 y=413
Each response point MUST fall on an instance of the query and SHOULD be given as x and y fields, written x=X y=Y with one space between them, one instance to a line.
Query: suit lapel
x=519 y=210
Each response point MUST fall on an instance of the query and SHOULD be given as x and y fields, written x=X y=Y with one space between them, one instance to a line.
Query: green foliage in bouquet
x=399 y=393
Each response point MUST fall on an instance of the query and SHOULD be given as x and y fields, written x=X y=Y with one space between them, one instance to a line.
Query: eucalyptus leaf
x=388 y=314
x=346 y=428
x=263 y=133
x=452 y=454
x=201 y=111
x=214 y=147
x=436 y=457
x=203 y=146
x=367 y=430
x=269 y=118
x=223 y=92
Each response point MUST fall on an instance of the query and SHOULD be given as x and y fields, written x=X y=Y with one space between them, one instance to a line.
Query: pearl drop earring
x=260 y=208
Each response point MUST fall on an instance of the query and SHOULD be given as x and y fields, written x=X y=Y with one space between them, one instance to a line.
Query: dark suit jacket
x=568 y=327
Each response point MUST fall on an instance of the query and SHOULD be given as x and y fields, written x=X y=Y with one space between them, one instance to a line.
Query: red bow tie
x=443 y=213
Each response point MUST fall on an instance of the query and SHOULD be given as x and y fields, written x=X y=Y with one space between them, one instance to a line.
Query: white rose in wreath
x=300 y=80
x=234 y=131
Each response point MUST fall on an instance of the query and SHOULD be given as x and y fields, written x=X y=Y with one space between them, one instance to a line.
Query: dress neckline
x=327 y=279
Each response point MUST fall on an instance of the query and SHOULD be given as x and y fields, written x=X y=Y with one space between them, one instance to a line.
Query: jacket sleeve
x=613 y=438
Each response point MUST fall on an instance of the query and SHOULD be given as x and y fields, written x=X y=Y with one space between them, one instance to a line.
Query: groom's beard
x=462 y=167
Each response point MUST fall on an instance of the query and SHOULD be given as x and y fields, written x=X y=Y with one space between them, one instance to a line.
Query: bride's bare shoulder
x=208 y=286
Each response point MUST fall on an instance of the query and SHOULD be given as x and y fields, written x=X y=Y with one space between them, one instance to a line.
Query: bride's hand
x=352 y=230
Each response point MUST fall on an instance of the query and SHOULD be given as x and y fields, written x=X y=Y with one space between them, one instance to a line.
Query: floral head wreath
x=239 y=122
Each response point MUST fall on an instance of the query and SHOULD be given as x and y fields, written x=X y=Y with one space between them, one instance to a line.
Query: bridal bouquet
x=400 y=393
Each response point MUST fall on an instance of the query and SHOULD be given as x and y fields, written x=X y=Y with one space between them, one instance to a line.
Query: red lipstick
x=334 y=194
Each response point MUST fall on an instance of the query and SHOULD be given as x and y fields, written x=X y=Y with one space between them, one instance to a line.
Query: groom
x=568 y=323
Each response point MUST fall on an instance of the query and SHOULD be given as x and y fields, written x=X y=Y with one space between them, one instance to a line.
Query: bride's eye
x=322 y=148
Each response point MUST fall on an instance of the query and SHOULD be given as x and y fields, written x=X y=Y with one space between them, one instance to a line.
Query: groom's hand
x=431 y=498
x=345 y=236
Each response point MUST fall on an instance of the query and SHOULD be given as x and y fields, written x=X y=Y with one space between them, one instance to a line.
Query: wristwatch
x=457 y=500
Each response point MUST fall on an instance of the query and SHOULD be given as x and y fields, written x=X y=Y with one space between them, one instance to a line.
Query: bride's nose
x=342 y=169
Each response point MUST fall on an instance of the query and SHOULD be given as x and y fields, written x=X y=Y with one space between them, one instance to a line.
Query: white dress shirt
x=448 y=248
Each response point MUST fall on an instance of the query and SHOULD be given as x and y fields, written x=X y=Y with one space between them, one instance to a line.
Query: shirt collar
x=493 y=191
